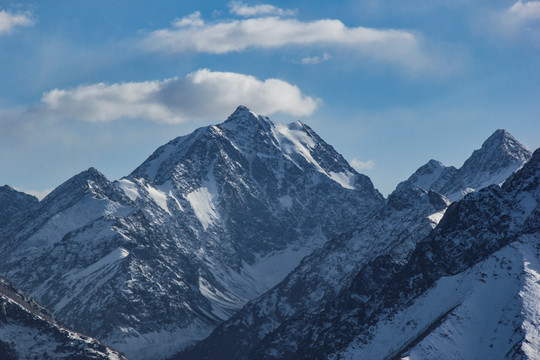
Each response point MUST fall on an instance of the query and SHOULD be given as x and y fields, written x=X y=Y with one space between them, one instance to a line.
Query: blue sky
x=390 y=84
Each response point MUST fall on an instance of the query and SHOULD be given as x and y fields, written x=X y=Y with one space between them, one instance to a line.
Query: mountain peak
x=242 y=109
x=244 y=118
x=7 y=190
x=88 y=181
x=90 y=174
x=13 y=203
x=499 y=150
x=435 y=163
x=500 y=133
x=500 y=155
x=502 y=143
x=498 y=138
x=242 y=112
x=427 y=176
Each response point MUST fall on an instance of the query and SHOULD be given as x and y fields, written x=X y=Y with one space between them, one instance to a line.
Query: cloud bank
x=9 y=21
x=201 y=94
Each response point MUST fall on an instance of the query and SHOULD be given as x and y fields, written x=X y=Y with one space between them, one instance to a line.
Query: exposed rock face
x=468 y=290
x=14 y=203
x=156 y=260
x=388 y=238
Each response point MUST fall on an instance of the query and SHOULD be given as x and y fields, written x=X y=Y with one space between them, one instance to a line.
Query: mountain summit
x=259 y=233
x=500 y=155
x=154 y=261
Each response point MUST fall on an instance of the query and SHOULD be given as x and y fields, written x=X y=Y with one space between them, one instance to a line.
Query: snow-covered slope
x=468 y=290
x=260 y=188
x=409 y=215
x=499 y=156
x=156 y=260
x=29 y=331
x=320 y=276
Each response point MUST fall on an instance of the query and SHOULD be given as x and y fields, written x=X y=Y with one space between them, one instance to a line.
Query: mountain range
x=209 y=221
x=252 y=239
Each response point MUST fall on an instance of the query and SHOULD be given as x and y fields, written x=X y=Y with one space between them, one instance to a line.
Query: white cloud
x=191 y=33
x=522 y=18
x=190 y=20
x=201 y=94
x=9 y=21
x=362 y=165
x=525 y=11
x=315 y=59
x=239 y=8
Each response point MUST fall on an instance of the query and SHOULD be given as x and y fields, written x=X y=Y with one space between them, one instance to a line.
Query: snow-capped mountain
x=14 y=203
x=468 y=290
x=29 y=331
x=156 y=260
x=250 y=179
x=410 y=215
x=498 y=158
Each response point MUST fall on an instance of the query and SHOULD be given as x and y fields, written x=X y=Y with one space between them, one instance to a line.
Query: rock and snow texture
x=13 y=203
x=468 y=290
x=496 y=160
x=321 y=275
x=28 y=331
x=154 y=261
x=409 y=216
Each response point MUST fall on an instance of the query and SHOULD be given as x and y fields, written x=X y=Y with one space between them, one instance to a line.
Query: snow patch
x=91 y=275
x=345 y=179
x=201 y=201
x=435 y=218
x=159 y=197
x=268 y=271
x=294 y=140
x=129 y=188
x=116 y=255
x=222 y=304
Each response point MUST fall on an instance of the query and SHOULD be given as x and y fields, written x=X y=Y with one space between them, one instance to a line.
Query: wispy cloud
x=362 y=165
x=201 y=94
x=316 y=59
x=522 y=18
x=192 y=34
x=239 y=8
x=9 y=21
x=525 y=11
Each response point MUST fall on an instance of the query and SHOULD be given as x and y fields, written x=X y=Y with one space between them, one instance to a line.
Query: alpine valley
x=257 y=240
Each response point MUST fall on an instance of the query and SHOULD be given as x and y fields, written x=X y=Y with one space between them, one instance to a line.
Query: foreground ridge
x=27 y=330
